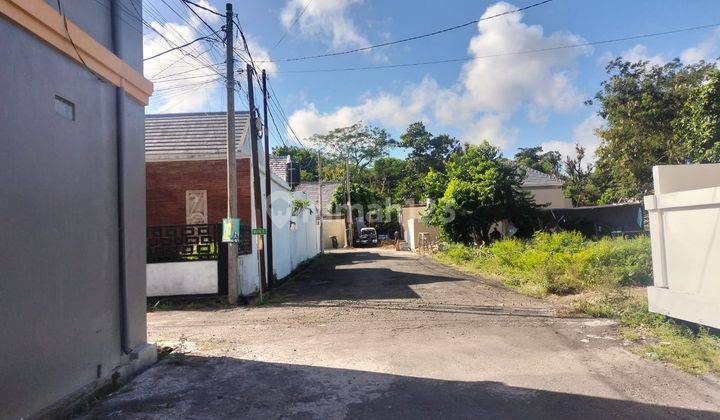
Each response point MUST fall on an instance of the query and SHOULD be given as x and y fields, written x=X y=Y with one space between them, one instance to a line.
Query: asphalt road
x=385 y=334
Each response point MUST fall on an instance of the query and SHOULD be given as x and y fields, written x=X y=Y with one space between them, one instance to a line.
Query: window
x=65 y=108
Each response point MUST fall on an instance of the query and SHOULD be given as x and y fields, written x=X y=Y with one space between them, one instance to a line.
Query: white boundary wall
x=684 y=219
x=182 y=278
x=291 y=245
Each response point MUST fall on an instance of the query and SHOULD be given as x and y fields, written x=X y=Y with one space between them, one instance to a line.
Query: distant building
x=285 y=168
x=186 y=166
x=72 y=264
x=545 y=189
x=333 y=224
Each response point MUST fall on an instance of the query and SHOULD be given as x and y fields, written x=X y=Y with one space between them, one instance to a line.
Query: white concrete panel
x=182 y=278
x=692 y=247
x=685 y=238
x=695 y=308
x=672 y=178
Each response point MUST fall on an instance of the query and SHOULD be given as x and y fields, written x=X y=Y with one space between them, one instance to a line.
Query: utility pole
x=268 y=185
x=348 y=209
x=256 y=178
x=232 y=261
x=319 y=158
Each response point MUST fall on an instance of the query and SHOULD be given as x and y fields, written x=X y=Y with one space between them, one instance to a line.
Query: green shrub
x=459 y=253
x=625 y=262
x=559 y=263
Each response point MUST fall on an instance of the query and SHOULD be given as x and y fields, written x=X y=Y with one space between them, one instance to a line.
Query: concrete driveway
x=385 y=334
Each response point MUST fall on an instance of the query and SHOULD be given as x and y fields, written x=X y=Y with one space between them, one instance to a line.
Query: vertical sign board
x=231 y=230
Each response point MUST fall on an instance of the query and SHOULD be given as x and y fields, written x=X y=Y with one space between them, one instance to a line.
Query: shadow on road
x=357 y=276
x=221 y=387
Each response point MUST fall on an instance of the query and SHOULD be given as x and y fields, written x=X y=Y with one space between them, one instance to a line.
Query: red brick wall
x=166 y=183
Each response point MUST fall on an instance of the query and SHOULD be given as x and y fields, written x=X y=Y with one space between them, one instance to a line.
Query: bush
x=560 y=263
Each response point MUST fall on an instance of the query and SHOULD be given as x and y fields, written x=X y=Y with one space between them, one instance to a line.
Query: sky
x=511 y=100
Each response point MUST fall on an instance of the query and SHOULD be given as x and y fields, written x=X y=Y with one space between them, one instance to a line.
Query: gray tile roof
x=313 y=194
x=536 y=178
x=191 y=136
x=279 y=165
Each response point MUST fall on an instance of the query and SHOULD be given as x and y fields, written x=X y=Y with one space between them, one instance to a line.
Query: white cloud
x=204 y=12
x=708 y=49
x=394 y=111
x=188 y=80
x=487 y=92
x=260 y=55
x=327 y=19
x=584 y=135
x=639 y=52
x=493 y=128
x=500 y=83
x=181 y=82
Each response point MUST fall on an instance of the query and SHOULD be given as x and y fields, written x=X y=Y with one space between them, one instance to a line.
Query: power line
x=412 y=38
x=199 y=6
x=539 y=50
x=272 y=100
x=188 y=3
x=177 y=48
x=163 y=78
x=179 y=79
x=297 y=18
x=171 y=43
x=282 y=113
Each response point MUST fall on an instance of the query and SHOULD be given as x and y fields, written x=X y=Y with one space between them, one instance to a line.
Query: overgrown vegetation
x=597 y=278
x=478 y=189
x=299 y=205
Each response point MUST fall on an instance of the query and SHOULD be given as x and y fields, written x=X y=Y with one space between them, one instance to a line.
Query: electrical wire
x=539 y=50
x=295 y=21
x=67 y=31
x=411 y=38
x=187 y=44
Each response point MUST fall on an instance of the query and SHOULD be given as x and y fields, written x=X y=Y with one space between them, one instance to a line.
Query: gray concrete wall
x=59 y=298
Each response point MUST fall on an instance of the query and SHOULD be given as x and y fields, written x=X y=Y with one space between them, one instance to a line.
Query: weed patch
x=603 y=279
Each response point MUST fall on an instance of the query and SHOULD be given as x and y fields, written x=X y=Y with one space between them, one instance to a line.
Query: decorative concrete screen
x=684 y=217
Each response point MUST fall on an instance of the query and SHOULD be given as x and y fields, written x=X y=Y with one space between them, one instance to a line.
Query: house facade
x=186 y=171
x=333 y=224
x=72 y=295
x=546 y=190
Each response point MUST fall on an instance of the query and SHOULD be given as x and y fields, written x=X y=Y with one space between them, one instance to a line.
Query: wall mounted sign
x=231 y=230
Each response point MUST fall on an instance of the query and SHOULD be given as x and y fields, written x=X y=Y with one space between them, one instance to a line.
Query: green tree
x=580 y=184
x=426 y=150
x=304 y=157
x=426 y=153
x=698 y=127
x=386 y=176
x=360 y=144
x=547 y=162
x=360 y=195
x=481 y=188
x=640 y=103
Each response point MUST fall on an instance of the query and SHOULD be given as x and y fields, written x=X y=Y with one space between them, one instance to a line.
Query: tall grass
x=560 y=263
x=602 y=276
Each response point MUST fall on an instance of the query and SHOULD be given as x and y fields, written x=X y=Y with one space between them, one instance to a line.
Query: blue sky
x=512 y=101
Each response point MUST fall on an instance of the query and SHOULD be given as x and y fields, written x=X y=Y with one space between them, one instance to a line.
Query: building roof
x=312 y=191
x=278 y=165
x=191 y=136
x=535 y=178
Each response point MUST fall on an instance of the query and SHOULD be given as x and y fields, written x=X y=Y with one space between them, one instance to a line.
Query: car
x=367 y=237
